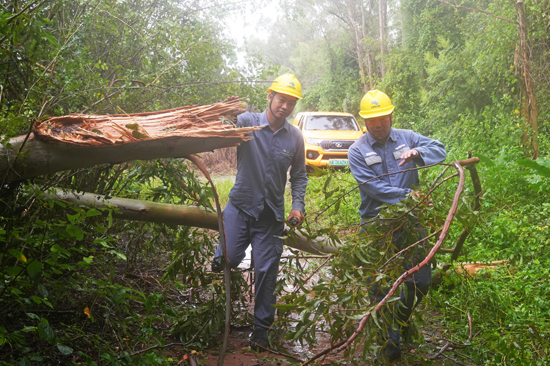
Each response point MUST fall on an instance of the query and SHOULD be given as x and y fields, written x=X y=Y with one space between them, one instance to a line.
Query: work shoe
x=216 y=267
x=387 y=354
x=259 y=342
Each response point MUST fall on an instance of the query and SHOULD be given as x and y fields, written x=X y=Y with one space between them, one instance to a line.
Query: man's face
x=282 y=105
x=379 y=127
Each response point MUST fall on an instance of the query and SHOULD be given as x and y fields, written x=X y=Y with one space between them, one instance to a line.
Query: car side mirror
x=364 y=129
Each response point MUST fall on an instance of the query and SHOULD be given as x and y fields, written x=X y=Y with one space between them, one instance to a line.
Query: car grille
x=336 y=145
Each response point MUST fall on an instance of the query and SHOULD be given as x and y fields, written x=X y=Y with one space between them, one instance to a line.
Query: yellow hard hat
x=287 y=84
x=375 y=104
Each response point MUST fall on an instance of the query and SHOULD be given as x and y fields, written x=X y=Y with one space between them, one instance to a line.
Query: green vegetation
x=81 y=287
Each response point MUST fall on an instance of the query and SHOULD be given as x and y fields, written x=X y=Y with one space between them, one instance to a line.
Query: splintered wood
x=214 y=120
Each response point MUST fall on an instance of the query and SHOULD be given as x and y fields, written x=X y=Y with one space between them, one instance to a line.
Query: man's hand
x=298 y=215
x=408 y=156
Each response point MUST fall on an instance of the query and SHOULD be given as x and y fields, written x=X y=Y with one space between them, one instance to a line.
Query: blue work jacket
x=368 y=158
x=262 y=166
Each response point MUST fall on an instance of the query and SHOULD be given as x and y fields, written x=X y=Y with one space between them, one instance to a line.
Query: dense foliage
x=79 y=286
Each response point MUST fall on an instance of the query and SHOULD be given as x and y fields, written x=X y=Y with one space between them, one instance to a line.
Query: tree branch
x=24 y=9
x=478 y=10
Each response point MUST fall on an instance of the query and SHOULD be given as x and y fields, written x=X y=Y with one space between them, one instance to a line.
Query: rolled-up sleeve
x=431 y=151
x=376 y=189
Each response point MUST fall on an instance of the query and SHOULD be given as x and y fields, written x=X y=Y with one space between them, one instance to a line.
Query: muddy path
x=425 y=349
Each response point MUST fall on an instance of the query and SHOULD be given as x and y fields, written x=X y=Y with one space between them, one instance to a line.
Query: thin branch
x=452 y=359
x=175 y=344
x=163 y=71
x=407 y=248
x=470 y=326
x=450 y=216
x=315 y=272
x=24 y=9
x=370 y=180
x=128 y=25
x=440 y=351
x=478 y=10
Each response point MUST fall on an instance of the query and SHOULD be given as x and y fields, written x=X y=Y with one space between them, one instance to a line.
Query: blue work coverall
x=369 y=158
x=254 y=214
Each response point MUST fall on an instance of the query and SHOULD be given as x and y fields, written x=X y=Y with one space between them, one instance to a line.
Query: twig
x=128 y=25
x=305 y=256
x=468 y=357
x=315 y=271
x=370 y=180
x=455 y=361
x=470 y=326
x=10 y=19
x=440 y=351
x=479 y=10
x=163 y=71
x=279 y=353
x=174 y=344
x=407 y=248
x=415 y=269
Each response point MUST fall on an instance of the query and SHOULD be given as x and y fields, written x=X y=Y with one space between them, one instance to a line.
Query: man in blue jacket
x=383 y=150
x=254 y=214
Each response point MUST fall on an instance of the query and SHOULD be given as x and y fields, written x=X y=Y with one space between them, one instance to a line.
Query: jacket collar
x=392 y=136
x=265 y=122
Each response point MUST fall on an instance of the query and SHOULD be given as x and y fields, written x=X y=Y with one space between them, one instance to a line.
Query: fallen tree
x=80 y=141
x=101 y=140
x=170 y=214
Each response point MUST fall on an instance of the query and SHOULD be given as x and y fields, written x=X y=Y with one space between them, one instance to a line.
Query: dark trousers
x=264 y=234
x=416 y=287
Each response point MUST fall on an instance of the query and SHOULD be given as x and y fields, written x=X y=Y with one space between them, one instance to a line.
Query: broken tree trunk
x=140 y=210
x=81 y=141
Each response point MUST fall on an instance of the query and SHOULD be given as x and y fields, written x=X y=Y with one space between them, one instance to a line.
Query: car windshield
x=341 y=123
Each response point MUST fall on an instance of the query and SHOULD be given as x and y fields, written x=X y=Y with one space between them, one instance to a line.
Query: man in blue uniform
x=383 y=150
x=254 y=214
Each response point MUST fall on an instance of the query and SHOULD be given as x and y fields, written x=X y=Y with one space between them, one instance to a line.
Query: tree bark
x=530 y=102
x=358 y=31
x=164 y=213
x=46 y=157
x=382 y=18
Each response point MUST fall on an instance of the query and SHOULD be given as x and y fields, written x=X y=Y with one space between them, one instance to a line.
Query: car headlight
x=316 y=142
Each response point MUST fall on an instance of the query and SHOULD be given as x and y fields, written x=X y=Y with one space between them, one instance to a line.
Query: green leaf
x=299 y=334
x=73 y=218
x=139 y=135
x=50 y=38
x=539 y=168
x=25 y=362
x=118 y=254
x=485 y=160
x=75 y=232
x=42 y=290
x=92 y=212
x=64 y=349
x=285 y=307
x=304 y=316
x=375 y=318
x=45 y=331
x=34 y=269
x=151 y=300
x=17 y=254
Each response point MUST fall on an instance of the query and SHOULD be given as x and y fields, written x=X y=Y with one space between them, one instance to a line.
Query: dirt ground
x=414 y=353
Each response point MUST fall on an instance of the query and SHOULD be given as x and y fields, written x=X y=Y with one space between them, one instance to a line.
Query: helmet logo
x=291 y=84
x=374 y=102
